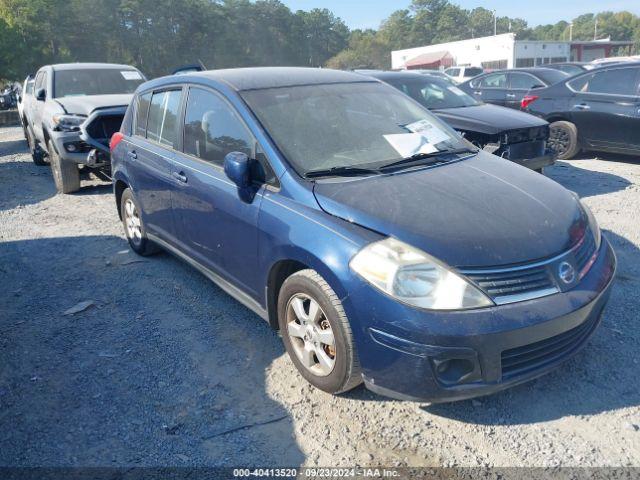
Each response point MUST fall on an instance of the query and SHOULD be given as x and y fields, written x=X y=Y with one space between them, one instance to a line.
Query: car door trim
x=225 y=285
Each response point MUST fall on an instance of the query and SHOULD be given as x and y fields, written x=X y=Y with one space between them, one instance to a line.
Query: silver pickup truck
x=76 y=108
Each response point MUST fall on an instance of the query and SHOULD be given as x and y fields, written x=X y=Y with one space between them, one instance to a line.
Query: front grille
x=512 y=282
x=526 y=134
x=519 y=360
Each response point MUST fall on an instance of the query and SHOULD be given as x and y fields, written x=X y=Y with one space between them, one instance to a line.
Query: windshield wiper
x=432 y=157
x=344 y=171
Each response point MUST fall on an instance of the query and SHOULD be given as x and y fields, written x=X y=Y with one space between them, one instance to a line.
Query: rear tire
x=133 y=226
x=37 y=154
x=66 y=175
x=563 y=138
x=320 y=345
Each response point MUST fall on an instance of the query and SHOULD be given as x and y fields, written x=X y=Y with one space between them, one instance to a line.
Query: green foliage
x=428 y=22
x=159 y=35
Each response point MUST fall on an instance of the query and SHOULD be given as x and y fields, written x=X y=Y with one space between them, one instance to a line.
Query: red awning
x=433 y=59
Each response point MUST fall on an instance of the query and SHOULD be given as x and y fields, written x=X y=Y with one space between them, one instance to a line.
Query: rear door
x=218 y=223
x=491 y=88
x=149 y=158
x=519 y=84
x=606 y=108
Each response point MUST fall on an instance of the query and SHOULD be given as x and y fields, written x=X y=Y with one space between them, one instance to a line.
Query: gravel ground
x=163 y=368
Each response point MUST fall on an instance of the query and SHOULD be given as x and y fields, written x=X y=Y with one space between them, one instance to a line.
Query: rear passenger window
x=522 y=81
x=495 y=80
x=212 y=129
x=162 y=123
x=622 y=81
x=142 y=109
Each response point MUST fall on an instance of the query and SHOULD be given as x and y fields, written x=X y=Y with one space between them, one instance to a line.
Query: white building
x=500 y=51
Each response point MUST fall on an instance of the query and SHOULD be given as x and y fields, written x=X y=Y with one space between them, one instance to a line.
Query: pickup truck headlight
x=68 y=123
x=413 y=277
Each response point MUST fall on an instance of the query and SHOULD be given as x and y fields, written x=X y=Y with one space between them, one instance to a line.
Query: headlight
x=68 y=123
x=593 y=225
x=413 y=277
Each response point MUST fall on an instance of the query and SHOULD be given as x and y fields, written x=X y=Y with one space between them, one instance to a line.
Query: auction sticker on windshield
x=428 y=130
x=408 y=144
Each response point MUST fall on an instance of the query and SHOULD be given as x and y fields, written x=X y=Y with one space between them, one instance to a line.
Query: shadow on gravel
x=11 y=147
x=161 y=368
x=23 y=183
x=602 y=377
x=586 y=183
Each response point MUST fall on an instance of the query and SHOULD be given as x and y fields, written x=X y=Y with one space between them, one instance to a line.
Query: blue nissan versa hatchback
x=383 y=246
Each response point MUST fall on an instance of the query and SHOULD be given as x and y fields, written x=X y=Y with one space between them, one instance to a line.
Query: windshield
x=472 y=71
x=347 y=125
x=432 y=93
x=95 y=81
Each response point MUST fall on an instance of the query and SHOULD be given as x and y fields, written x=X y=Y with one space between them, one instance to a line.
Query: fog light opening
x=454 y=370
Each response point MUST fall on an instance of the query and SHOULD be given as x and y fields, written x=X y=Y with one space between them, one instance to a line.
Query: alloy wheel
x=311 y=335
x=132 y=222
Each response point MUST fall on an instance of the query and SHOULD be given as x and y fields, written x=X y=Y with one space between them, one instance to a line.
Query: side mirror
x=41 y=95
x=236 y=167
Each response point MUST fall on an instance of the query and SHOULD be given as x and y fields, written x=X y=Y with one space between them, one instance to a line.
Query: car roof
x=256 y=78
x=382 y=75
x=89 y=66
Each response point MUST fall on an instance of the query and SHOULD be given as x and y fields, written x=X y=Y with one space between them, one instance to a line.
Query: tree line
x=159 y=35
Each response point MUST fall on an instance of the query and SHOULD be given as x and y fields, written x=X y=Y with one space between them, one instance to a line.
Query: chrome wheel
x=132 y=222
x=311 y=335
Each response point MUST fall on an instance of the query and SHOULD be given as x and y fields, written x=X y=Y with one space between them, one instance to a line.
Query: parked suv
x=78 y=107
x=25 y=103
x=384 y=247
x=462 y=74
x=596 y=110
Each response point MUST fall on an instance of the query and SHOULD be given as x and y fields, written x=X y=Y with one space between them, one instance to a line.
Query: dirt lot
x=165 y=369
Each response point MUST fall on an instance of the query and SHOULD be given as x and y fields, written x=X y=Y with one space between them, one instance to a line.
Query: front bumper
x=84 y=153
x=445 y=356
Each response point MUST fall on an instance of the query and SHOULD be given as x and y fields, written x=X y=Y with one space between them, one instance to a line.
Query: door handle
x=132 y=155
x=180 y=176
x=478 y=92
x=582 y=106
x=511 y=95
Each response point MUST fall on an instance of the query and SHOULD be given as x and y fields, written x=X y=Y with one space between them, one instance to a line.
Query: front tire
x=66 y=175
x=37 y=155
x=317 y=334
x=563 y=138
x=133 y=225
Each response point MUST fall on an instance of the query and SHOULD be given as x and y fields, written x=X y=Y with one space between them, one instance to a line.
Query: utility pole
x=495 y=24
x=595 y=29
x=571 y=31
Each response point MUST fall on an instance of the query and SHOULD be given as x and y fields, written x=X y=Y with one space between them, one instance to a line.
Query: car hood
x=486 y=118
x=86 y=104
x=483 y=211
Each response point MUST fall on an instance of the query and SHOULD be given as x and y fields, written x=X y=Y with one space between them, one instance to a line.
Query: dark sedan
x=508 y=87
x=504 y=132
x=572 y=68
x=597 y=110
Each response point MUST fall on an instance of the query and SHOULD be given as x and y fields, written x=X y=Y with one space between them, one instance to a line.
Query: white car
x=462 y=74
x=24 y=103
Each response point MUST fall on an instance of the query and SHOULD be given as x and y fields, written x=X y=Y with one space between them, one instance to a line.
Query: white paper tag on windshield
x=425 y=128
x=131 y=75
x=407 y=144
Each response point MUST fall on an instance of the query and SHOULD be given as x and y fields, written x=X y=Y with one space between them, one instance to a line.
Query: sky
x=369 y=13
